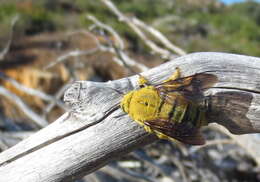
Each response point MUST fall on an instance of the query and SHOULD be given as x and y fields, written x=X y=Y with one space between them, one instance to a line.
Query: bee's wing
x=179 y=131
x=190 y=87
x=202 y=80
x=182 y=90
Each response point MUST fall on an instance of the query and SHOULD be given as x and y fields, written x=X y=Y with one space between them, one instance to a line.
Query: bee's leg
x=148 y=129
x=161 y=136
x=158 y=134
x=175 y=75
x=142 y=81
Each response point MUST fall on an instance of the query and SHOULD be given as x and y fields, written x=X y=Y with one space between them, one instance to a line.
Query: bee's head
x=141 y=104
x=125 y=102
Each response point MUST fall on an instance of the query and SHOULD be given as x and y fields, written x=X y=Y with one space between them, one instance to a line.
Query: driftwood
x=89 y=136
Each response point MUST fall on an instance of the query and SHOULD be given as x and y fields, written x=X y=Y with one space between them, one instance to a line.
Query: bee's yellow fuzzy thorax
x=142 y=104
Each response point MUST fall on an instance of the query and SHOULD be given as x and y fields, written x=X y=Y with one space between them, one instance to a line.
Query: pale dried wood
x=84 y=140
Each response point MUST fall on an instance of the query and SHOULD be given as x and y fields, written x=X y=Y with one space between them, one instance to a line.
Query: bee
x=170 y=109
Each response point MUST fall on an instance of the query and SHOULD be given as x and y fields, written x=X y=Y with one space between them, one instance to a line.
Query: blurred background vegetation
x=46 y=30
x=193 y=25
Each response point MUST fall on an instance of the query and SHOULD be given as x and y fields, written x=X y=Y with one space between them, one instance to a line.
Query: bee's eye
x=145 y=103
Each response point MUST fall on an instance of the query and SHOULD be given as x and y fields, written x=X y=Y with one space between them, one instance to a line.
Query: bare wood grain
x=84 y=140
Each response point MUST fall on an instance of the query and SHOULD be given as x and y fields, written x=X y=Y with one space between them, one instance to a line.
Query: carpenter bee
x=170 y=109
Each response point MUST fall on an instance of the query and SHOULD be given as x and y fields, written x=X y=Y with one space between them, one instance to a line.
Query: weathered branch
x=90 y=136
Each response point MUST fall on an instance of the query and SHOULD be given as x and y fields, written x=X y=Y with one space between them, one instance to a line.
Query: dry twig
x=118 y=41
x=57 y=96
x=8 y=45
x=134 y=24
x=33 y=92
x=145 y=39
x=38 y=120
x=159 y=36
x=71 y=54
x=122 y=58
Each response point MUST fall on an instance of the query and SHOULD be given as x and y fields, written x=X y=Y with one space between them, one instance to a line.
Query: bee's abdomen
x=186 y=111
x=194 y=115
